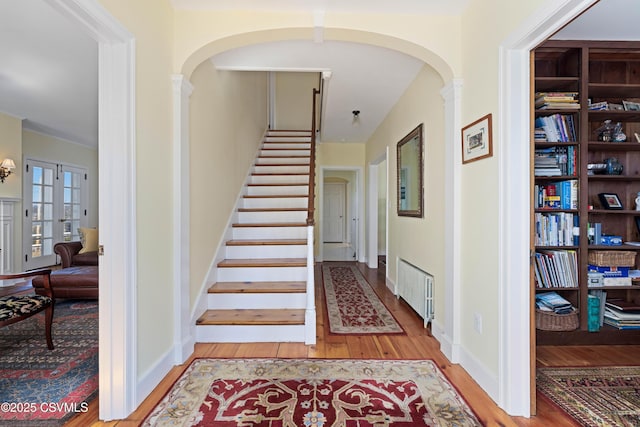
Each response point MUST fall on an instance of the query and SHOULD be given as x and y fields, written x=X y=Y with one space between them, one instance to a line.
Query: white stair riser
x=262 y=274
x=262 y=233
x=286 y=151
x=281 y=169
x=253 y=333
x=289 y=179
x=271 y=202
x=256 y=301
x=288 y=139
x=275 y=190
x=277 y=216
x=272 y=160
x=266 y=251
x=287 y=145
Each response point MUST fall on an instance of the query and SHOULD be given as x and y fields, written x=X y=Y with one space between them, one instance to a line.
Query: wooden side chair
x=14 y=308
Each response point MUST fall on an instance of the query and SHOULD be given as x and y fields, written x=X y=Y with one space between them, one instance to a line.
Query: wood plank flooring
x=416 y=344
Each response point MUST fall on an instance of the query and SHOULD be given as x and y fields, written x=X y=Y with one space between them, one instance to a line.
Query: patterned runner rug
x=352 y=305
x=316 y=393
x=42 y=387
x=594 y=396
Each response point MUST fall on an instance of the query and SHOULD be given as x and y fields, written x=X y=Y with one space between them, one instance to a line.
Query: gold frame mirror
x=410 y=174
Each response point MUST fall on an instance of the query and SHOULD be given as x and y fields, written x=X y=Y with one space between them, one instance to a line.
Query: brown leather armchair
x=70 y=256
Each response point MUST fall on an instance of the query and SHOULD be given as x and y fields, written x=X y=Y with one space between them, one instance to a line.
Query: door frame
x=372 y=212
x=516 y=335
x=357 y=208
x=116 y=204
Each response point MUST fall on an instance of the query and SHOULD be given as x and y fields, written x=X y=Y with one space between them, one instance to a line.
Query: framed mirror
x=410 y=169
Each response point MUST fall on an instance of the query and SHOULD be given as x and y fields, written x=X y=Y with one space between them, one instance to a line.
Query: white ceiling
x=48 y=71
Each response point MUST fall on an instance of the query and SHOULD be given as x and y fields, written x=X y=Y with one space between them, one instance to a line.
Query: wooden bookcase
x=596 y=72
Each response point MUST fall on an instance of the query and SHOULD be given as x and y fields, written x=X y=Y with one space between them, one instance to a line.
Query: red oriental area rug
x=352 y=305
x=42 y=387
x=594 y=396
x=314 y=393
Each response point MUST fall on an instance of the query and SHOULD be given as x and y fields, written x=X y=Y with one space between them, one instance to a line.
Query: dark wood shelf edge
x=607 y=335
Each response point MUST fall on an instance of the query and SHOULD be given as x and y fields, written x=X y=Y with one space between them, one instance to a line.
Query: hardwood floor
x=416 y=344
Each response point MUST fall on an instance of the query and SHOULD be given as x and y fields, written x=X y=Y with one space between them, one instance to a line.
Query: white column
x=183 y=336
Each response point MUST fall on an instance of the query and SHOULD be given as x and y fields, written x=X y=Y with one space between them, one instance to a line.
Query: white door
x=55 y=207
x=334 y=212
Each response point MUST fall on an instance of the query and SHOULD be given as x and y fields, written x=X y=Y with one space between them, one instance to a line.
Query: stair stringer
x=200 y=305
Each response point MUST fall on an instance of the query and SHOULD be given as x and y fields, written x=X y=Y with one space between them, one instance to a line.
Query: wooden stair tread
x=264 y=262
x=289 y=156
x=279 y=173
x=272 y=209
x=270 y=224
x=285 y=149
x=278 y=184
x=274 y=196
x=258 y=287
x=252 y=317
x=282 y=164
x=269 y=242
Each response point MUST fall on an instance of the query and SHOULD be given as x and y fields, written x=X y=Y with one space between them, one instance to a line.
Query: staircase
x=264 y=289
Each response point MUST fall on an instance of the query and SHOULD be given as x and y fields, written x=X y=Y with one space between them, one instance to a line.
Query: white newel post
x=310 y=313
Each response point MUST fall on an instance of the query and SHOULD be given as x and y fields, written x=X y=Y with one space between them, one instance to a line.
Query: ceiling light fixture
x=5 y=168
x=356 y=117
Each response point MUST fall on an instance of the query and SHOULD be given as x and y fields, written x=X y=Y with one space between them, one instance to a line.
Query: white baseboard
x=485 y=379
x=152 y=377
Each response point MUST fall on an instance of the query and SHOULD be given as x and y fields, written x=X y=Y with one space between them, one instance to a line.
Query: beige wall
x=293 y=103
x=11 y=148
x=151 y=23
x=228 y=120
x=420 y=241
x=43 y=147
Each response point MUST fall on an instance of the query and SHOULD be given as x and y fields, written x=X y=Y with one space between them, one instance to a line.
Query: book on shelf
x=621 y=319
x=556 y=268
x=602 y=298
x=556 y=195
x=552 y=301
x=557 y=127
x=593 y=313
x=555 y=161
x=623 y=305
x=556 y=229
x=556 y=100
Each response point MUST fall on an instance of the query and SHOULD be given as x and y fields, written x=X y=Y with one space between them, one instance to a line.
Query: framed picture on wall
x=477 y=140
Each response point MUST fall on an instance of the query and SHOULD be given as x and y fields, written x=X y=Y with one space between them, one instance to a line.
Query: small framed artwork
x=631 y=106
x=476 y=140
x=610 y=201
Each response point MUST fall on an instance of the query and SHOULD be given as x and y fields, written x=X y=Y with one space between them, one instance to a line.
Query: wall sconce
x=5 y=168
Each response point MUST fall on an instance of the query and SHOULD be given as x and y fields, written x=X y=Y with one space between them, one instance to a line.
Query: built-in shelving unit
x=583 y=76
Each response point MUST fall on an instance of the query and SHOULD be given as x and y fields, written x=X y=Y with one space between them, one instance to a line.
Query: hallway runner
x=42 y=387
x=312 y=392
x=352 y=305
x=606 y=396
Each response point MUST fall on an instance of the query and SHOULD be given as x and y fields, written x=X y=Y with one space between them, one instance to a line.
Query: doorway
x=340 y=200
x=55 y=201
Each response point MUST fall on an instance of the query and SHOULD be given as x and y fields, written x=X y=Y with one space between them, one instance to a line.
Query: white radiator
x=415 y=286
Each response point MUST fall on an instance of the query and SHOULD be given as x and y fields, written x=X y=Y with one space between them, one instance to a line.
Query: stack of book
x=556 y=100
x=555 y=161
x=556 y=128
x=551 y=301
x=622 y=314
x=557 y=229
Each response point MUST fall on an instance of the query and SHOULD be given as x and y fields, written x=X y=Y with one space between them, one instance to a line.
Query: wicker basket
x=550 y=321
x=612 y=258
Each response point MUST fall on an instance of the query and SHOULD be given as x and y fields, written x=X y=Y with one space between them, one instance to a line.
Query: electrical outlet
x=477 y=322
